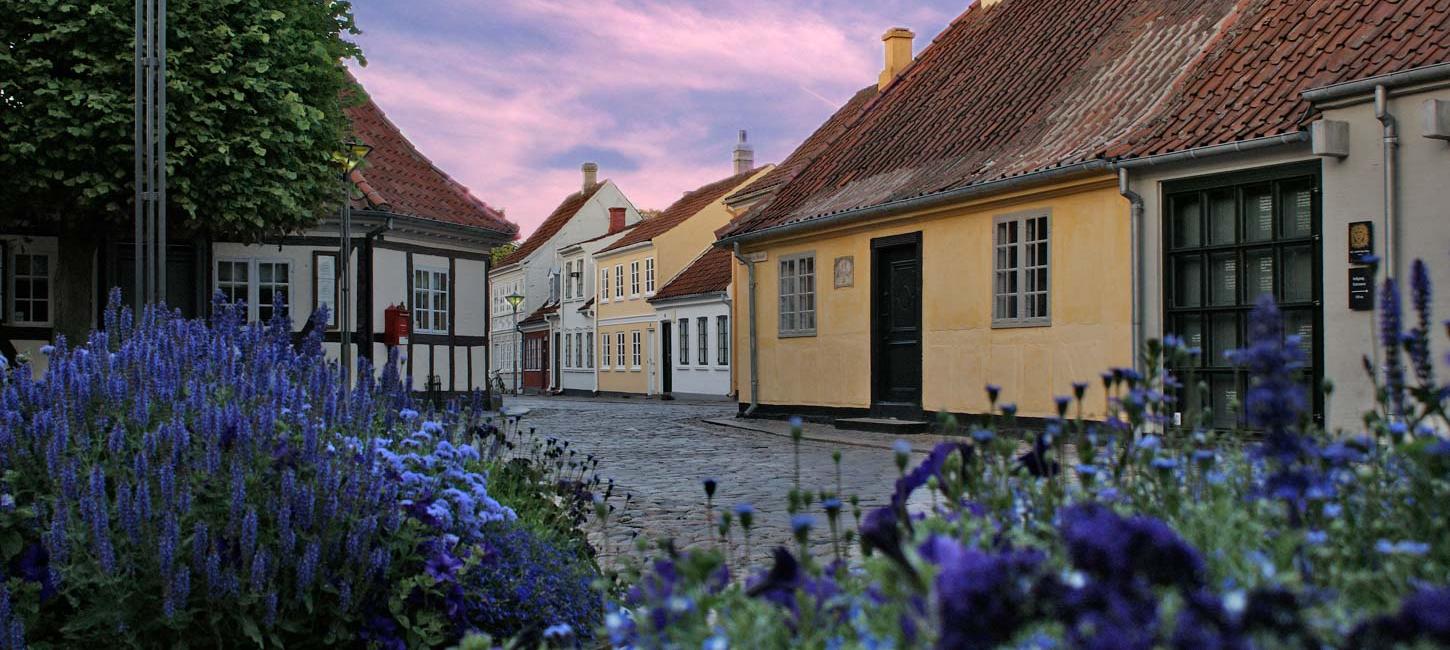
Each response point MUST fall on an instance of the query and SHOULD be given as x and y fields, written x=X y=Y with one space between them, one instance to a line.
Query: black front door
x=667 y=382
x=896 y=326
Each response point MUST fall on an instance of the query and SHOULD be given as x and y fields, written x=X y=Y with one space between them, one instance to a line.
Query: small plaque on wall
x=845 y=271
x=1361 y=241
x=1361 y=288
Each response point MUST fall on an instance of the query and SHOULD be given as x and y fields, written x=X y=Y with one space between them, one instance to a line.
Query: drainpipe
x=1391 y=159
x=754 y=349
x=1135 y=229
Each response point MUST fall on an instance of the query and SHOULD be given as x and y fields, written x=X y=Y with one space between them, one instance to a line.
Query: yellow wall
x=616 y=379
x=1091 y=308
x=627 y=380
x=682 y=244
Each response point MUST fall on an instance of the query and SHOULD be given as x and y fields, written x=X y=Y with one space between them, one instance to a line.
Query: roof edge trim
x=1424 y=74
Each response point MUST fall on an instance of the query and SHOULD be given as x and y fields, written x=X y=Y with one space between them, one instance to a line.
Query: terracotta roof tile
x=397 y=178
x=552 y=225
x=709 y=273
x=540 y=313
x=679 y=211
x=1021 y=86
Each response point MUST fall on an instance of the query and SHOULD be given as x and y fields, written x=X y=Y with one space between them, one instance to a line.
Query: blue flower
x=408 y=415
x=802 y=523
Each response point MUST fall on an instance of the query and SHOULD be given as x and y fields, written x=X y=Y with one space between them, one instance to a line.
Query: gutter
x=923 y=202
x=1135 y=229
x=1213 y=150
x=1425 y=74
x=754 y=347
x=624 y=249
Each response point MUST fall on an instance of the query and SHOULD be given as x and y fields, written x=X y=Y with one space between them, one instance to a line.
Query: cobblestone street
x=658 y=452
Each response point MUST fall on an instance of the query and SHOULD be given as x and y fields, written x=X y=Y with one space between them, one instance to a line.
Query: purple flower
x=984 y=599
x=1391 y=334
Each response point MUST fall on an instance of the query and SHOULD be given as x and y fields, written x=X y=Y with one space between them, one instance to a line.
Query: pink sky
x=511 y=96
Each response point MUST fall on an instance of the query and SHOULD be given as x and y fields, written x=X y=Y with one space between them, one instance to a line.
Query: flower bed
x=1125 y=533
x=211 y=483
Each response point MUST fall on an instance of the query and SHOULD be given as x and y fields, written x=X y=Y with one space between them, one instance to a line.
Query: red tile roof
x=1017 y=87
x=540 y=313
x=709 y=273
x=1248 y=84
x=552 y=225
x=397 y=178
x=688 y=206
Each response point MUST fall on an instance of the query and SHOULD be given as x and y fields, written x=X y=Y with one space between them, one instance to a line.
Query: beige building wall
x=625 y=311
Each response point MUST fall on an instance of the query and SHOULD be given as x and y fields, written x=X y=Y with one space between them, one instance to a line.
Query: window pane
x=1224 y=393
x=1300 y=323
x=1298 y=274
x=1221 y=218
x=1298 y=208
x=1187 y=222
x=1188 y=281
x=1190 y=329
x=1225 y=338
x=1224 y=279
x=264 y=272
x=1258 y=214
x=1258 y=274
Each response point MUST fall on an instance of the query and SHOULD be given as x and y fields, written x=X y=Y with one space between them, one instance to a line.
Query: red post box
x=395 y=325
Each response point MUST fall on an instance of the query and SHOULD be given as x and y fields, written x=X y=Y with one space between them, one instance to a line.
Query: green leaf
x=249 y=627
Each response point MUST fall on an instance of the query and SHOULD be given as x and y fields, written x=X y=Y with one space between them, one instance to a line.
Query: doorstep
x=891 y=426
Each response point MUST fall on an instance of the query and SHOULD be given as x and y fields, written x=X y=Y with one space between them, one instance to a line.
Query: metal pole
x=150 y=151
x=343 y=262
x=161 y=153
x=520 y=333
x=138 y=298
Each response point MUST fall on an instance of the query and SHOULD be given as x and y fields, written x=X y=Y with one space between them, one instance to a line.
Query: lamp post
x=514 y=299
x=349 y=158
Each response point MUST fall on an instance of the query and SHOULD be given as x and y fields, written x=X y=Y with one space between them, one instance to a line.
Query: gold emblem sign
x=1359 y=235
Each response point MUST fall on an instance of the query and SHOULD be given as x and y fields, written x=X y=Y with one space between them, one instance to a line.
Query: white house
x=697 y=302
x=533 y=271
x=573 y=322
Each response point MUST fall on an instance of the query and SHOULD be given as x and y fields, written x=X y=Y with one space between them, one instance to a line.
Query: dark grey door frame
x=881 y=404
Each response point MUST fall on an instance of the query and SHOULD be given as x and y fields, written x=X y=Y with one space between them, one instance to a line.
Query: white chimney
x=591 y=175
x=744 y=155
x=898 y=55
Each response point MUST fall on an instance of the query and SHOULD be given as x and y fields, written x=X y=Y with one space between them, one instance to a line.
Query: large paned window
x=722 y=347
x=619 y=281
x=569 y=280
x=604 y=284
x=579 y=350
x=430 y=301
x=635 y=349
x=649 y=275
x=703 y=324
x=604 y=354
x=1020 y=270
x=568 y=351
x=1230 y=240
x=684 y=341
x=258 y=283
x=590 y=338
x=634 y=279
x=619 y=347
x=30 y=288
x=798 y=295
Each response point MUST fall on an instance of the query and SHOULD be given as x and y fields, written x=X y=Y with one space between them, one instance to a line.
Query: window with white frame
x=30 y=288
x=619 y=281
x=604 y=284
x=259 y=283
x=798 y=295
x=649 y=275
x=604 y=353
x=703 y=324
x=684 y=326
x=635 y=357
x=578 y=278
x=578 y=349
x=634 y=279
x=1020 y=270
x=430 y=300
x=619 y=347
x=568 y=351
x=722 y=334
x=589 y=337
x=569 y=280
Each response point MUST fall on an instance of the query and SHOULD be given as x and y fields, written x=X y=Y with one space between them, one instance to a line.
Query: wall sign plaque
x=1361 y=288
x=845 y=271
x=1361 y=241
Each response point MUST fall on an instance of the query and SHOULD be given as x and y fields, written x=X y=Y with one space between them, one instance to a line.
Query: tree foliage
x=254 y=112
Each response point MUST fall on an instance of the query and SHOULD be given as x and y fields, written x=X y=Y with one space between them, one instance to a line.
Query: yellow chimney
x=898 y=54
x=987 y=4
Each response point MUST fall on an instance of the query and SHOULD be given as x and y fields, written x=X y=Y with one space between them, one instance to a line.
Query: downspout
x=1391 y=181
x=366 y=302
x=1135 y=236
x=754 y=348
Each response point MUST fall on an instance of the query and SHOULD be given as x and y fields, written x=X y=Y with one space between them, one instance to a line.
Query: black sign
x=1361 y=288
x=1361 y=241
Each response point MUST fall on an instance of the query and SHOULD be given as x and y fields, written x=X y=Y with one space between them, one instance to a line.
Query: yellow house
x=958 y=224
x=631 y=339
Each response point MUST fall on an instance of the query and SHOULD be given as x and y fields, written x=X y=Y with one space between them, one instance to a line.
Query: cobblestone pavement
x=658 y=453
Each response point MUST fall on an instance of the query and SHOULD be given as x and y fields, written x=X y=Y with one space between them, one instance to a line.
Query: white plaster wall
x=689 y=377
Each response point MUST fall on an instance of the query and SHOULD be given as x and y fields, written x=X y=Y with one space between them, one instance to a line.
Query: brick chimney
x=591 y=175
x=616 y=220
x=898 y=55
x=744 y=155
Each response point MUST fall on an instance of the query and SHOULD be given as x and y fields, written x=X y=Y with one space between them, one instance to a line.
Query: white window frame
x=589 y=337
x=9 y=267
x=722 y=344
x=635 y=356
x=1010 y=301
x=606 y=356
x=619 y=281
x=254 y=283
x=432 y=272
x=634 y=280
x=619 y=348
x=578 y=349
x=568 y=351
x=649 y=276
x=682 y=327
x=578 y=279
x=702 y=323
x=569 y=280
x=604 y=284
x=791 y=295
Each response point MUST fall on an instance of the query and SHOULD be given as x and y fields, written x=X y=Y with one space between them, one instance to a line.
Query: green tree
x=254 y=112
x=501 y=251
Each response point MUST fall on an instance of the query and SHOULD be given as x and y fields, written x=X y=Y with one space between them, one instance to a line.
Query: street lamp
x=349 y=158
x=514 y=299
